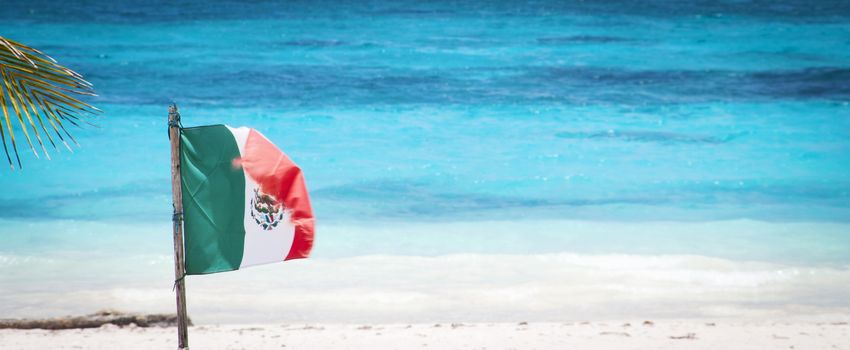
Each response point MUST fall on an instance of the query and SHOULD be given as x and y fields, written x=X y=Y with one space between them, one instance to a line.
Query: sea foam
x=463 y=287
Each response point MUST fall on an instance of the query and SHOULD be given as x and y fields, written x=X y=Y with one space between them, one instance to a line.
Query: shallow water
x=715 y=129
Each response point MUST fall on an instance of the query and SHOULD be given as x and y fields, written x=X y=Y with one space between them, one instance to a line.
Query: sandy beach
x=642 y=334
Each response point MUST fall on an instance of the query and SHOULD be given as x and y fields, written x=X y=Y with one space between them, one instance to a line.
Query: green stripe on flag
x=213 y=200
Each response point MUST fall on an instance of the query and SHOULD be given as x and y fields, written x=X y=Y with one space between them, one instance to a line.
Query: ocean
x=481 y=161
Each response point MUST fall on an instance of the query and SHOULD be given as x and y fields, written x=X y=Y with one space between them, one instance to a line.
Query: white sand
x=580 y=335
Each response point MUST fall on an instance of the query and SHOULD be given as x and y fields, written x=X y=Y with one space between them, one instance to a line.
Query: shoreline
x=461 y=287
x=626 y=334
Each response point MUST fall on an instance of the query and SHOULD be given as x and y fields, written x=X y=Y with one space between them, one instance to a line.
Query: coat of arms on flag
x=266 y=210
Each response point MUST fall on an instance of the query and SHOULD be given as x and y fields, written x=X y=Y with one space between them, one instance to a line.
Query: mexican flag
x=244 y=201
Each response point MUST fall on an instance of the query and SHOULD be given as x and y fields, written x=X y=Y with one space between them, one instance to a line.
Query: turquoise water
x=719 y=129
x=485 y=161
x=442 y=113
x=436 y=112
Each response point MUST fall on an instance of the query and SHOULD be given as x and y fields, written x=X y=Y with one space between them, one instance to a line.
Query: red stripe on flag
x=277 y=175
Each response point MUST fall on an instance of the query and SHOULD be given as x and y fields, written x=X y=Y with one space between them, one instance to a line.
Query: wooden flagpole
x=177 y=197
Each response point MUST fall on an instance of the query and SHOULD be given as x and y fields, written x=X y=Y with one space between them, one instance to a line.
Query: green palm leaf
x=38 y=95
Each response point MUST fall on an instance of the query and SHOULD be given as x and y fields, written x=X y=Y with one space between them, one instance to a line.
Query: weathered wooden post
x=177 y=197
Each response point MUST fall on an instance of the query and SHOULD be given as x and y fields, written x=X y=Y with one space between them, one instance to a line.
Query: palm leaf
x=37 y=92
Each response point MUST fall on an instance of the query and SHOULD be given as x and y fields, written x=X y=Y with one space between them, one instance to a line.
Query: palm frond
x=37 y=92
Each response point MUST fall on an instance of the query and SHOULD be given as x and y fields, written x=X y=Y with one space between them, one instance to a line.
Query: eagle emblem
x=265 y=210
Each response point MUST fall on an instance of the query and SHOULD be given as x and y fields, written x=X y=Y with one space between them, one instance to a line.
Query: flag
x=244 y=201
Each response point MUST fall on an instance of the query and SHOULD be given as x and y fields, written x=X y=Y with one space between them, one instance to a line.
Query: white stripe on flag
x=261 y=246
